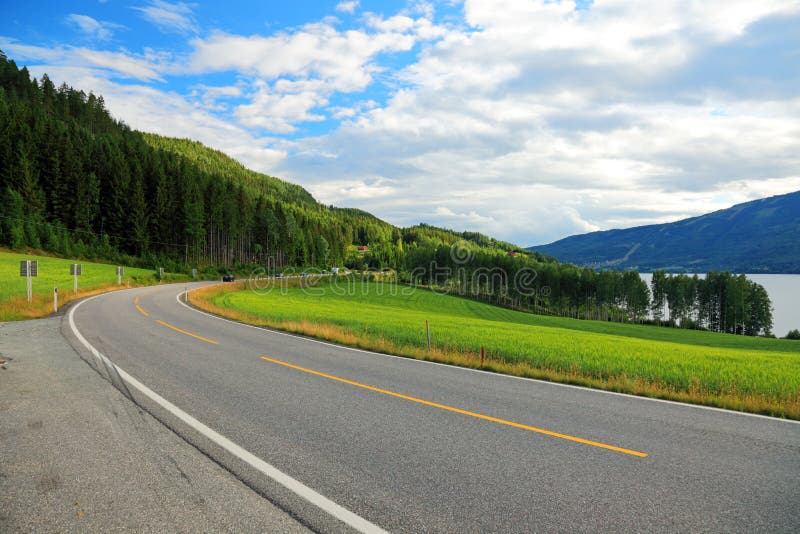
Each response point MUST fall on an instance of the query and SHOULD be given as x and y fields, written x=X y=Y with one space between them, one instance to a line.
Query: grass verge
x=54 y=272
x=757 y=376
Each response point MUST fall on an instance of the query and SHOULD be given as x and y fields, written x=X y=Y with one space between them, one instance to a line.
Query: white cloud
x=277 y=111
x=368 y=189
x=293 y=74
x=118 y=64
x=95 y=29
x=347 y=7
x=342 y=59
x=170 y=17
x=341 y=112
x=214 y=97
x=397 y=23
x=121 y=63
x=461 y=219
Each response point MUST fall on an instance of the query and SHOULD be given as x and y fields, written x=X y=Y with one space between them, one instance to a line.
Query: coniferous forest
x=76 y=182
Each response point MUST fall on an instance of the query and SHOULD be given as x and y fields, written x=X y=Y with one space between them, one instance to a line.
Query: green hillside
x=215 y=162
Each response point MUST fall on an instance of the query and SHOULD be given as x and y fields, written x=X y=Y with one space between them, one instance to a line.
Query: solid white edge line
x=295 y=486
x=499 y=375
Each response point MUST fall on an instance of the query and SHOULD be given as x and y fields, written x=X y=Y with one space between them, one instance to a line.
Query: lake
x=783 y=290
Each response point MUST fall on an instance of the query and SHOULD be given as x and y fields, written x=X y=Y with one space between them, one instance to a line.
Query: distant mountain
x=762 y=236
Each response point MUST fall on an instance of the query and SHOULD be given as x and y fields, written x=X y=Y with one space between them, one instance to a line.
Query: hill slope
x=76 y=182
x=215 y=162
x=762 y=236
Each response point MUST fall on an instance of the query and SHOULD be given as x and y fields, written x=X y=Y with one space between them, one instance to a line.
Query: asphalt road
x=77 y=456
x=411 y=446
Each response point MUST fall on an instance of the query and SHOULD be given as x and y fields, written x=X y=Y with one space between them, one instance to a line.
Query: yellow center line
x=136 y=303
x=201 y=338
x=460 y=411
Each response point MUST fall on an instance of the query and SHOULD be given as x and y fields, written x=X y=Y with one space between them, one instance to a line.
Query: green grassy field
x=54 y=272
x=753 y=374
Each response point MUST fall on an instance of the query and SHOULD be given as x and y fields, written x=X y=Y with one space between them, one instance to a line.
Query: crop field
x=750 y=374
x=54 y=272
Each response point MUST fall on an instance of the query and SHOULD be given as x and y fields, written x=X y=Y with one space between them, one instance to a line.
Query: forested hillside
x=762 y=236
x=76 y=182
x=216 y=163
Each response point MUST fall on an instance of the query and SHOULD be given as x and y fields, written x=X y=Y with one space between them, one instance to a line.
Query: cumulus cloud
x=170 y=17
x=293 y=74
x=347 y=7
x=341 y=58
x=277 y=111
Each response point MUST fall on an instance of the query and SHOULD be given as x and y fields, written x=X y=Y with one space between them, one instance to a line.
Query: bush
x=793 y=334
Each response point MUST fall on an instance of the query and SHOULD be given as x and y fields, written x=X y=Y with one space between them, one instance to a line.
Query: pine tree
x=12 y=229
x=29 y=187
x=138 y=214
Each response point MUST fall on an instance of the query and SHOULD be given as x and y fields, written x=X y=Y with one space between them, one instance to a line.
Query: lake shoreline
x=784 y=292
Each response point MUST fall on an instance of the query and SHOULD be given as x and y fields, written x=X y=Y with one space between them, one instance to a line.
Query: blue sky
x=526 y=119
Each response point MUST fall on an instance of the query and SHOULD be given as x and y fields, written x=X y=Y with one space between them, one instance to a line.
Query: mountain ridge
x=758 y=236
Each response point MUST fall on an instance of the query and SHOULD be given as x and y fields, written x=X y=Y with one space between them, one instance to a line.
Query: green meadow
x=744 y=373
x=54 y=272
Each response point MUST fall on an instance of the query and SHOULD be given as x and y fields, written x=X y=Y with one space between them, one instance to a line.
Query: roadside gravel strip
x=76 y=455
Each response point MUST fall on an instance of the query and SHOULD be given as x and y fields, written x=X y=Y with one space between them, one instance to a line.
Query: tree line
x=75 y=181
x=529 y=282
x=721 y=302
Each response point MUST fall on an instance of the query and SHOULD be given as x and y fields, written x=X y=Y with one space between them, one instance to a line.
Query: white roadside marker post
x=75 y=269
x=428 y=332
x=55 y=300
x=29 y=269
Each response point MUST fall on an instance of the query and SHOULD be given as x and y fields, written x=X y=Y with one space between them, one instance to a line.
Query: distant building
x=363 y=248
x=513 y=254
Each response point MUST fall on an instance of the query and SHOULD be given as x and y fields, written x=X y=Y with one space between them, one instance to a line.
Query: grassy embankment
x=749 y=374
x=54 y=272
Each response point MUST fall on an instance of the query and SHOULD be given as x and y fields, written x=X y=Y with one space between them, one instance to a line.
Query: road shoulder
x=77 y=455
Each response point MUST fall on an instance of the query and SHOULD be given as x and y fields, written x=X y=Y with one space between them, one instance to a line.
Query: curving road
x=350 y=440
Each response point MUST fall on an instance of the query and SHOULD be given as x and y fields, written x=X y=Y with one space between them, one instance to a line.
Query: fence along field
x=758 y=375
x=55 y=272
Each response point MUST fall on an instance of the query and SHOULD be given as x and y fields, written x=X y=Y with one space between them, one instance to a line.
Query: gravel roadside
x=78 y=456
